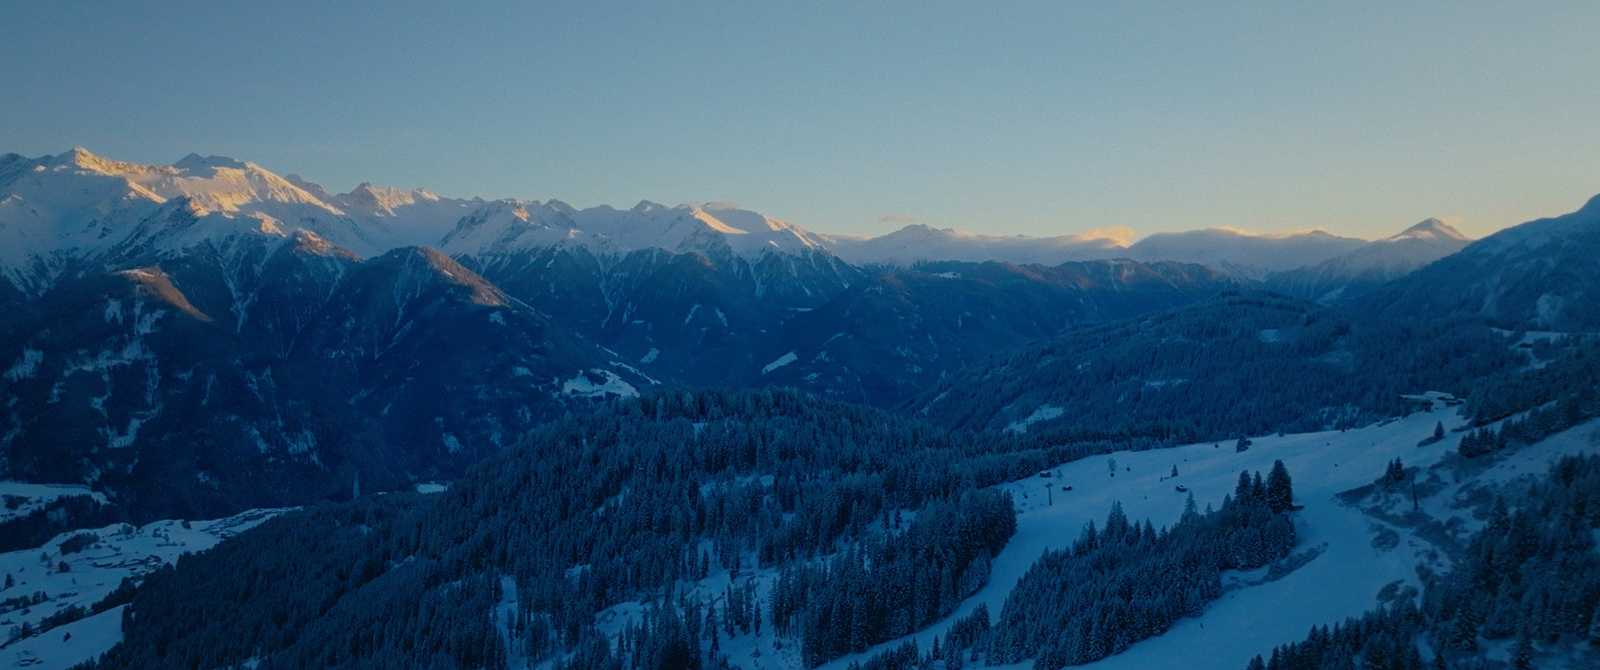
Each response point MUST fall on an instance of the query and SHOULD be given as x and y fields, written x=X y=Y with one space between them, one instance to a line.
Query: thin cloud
x=895 y=218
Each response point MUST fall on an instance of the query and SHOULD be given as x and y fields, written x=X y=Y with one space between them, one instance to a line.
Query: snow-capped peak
x=1431 y=229
x=82 y=159
x=309 y=187
x=383 y=201
x=76 y=205
x=647 y=207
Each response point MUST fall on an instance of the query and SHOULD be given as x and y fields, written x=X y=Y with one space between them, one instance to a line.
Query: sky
x=1036 y=118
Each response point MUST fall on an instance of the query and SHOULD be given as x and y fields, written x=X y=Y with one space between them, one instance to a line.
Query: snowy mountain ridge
x=1536 y=275
x=1243 y=253
x=1371 y=264
x=510 y=226
x=919 y=243
x=75 y=206
x=55 y=209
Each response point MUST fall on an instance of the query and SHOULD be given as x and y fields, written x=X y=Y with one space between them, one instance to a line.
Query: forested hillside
x=892 y=335
x=1128 y=582
x=791 y=503
x=1241 y=365
x=1538 y=275
x=584 y=514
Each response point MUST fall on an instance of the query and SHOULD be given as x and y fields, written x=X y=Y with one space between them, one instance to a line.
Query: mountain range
x=698 y=436
x=396 y=335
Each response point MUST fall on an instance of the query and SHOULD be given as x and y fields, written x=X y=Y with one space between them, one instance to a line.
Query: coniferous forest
x=1126 y=582
x=601 y=509
x=876 y=525
x=1243 y=364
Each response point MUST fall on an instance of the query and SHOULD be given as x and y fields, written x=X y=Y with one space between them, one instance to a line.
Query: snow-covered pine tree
x=1280 y=488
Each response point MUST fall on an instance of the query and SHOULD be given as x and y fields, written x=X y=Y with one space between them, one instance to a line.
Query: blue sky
x=1039 y=118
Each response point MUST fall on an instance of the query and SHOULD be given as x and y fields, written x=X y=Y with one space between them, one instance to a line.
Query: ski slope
x=1254 y=615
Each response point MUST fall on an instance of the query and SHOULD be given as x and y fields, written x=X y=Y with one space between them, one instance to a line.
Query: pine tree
x=1280 y=488
x=1241 y=491
x=1522 y=651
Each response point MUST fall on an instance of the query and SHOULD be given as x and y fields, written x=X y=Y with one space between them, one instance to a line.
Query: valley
x=251 y=423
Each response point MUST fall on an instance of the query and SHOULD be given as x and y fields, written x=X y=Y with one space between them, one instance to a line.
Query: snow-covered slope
x=1412 y=248
x=22 y=498
x=397 y=218
x=57 y=210
x=81 y=577
x=1349 y=555
x=1238 y=252
x=1538 y=275
x=1372 y=264
x=1243 y=253
x=1344 y=579
x=511 y=226
x=919 y=243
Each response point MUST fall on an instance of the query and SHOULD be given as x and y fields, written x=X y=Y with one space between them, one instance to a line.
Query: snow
x=123 y=439
x=763 y=651
x=504 y=616
x=78 y=205
x=1342 y=581
x=1342 y=578
x=917 y=243
x=780 y=362
x=584 y=385
x=121 y=551
x=90 y=637
x=1043 y=413
x=1394 y=256
x=451 y=444
x=1431 y=229
x=1242 y=252
x=25 y=366
x=516 y=226
x=33 y=497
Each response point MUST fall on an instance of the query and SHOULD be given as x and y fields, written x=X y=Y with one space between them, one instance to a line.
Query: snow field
x=93 y=573
x=1252 y=616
